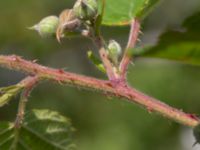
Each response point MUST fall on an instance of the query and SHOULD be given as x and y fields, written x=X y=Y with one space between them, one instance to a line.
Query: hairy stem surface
x=117 y=89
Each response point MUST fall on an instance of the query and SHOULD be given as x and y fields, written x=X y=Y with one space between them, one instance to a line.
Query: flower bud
x=86 y=9
x=47 y=26
x=114 y=51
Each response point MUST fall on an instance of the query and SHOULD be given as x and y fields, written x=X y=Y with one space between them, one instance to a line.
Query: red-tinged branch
x=99 y=42
x=154 y=105
x=17 y=63
x=107 y=64
x=116 y=89
x=133 y=36
x=28 y=83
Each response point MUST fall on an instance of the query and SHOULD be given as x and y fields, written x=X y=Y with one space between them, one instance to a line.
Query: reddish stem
x=99 y=42
x=28 y=84
x=107 y=64
x=119 y=90
x=126 y=59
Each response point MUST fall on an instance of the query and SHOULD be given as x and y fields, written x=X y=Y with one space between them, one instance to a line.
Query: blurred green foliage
x=101 y=122
x=180 y=45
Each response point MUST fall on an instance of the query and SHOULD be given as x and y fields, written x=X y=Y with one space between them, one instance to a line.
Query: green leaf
x=182 y=45
x=121 y=12
x=42 y=129
x=99 y=18
x=96 y=61
x=7 y=93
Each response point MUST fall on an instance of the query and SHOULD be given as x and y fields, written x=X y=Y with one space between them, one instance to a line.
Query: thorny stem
x=107 y=64
x=118 y=90
x=99 y=42
x=101 y=45
x=133 y=36
x=28 y=83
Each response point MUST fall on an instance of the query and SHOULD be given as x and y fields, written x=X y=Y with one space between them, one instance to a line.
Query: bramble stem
x=133 y=36
x=99 y=42
x=107 y=64
x=116 y=89
x=28 y=83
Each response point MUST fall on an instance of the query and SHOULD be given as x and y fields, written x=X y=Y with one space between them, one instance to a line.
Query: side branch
x=133 y=36
x=107 y=64
x=28 y=83
x=99 y=42
x=119 y=90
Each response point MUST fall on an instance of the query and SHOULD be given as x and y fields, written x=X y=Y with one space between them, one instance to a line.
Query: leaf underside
x=121 y=12
x=42 y=129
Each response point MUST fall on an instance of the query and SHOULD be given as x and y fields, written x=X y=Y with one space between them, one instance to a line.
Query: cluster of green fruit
x=74 y=22
x=69 y=20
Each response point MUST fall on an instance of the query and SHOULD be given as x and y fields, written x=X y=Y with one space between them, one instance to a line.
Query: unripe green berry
x=47 y=26
x=114 y=51
x=86 y=9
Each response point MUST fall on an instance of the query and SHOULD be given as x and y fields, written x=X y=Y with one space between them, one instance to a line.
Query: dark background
x=101 y=122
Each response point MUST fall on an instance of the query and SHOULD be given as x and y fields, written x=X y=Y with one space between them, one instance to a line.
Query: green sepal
x=99 y=18
x=7 y=93
x=86 y=9
x=96 y=61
